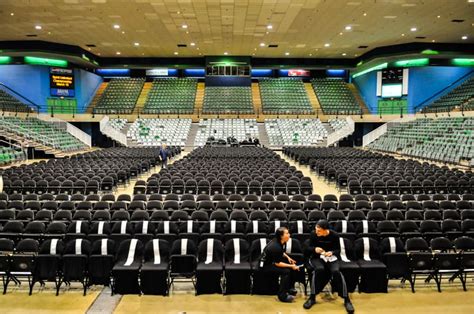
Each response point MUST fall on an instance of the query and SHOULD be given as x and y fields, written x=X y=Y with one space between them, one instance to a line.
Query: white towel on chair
x=103 y=247
x=131 y=252
x=236 y=250
x=156 y=252
x=145 y=227
x=78 y=226
x=366 y=249
x=210 y=249
x=78 y=246
x=343 y=251
x=393 y=244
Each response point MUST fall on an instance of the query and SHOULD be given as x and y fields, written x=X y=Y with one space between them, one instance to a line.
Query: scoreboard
x=61 y=82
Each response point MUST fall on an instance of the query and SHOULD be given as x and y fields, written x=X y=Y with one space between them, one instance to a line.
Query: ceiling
x=300 y=28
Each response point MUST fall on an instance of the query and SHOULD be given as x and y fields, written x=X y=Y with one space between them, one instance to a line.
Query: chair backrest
x=210 y=251
x=78 y=247
x=237 y=251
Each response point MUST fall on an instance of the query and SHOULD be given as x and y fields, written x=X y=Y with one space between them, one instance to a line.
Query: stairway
x=313 y=98
x=359 y=99
x=262 y=135
x=97 y=97
x=189 y=146
x=256 y=99
x=143 y=97
x=328 y=128
x=199 y=100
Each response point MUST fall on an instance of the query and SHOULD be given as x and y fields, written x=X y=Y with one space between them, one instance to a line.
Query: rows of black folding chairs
x=82 y=174
x=227 y=187
x=213 y=267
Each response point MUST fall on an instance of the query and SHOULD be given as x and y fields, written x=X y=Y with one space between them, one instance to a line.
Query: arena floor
x=400 y=299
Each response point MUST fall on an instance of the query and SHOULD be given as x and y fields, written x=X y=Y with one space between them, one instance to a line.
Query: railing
x=432 y=97
x=114 y=134
x=68 y=127
x=341 y=133
x=23 y=99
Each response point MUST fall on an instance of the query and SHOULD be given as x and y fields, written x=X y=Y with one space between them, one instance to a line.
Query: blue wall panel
x=423 y=83
x=32 y=82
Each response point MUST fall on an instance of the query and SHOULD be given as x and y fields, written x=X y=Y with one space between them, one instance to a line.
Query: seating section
x=284 y=96
x=118 y=124
x=10 y=103
x=88 y=173
x=337 y=124
x=443 y=139
x=240 y=129
x=228 y=170
x=171 y=95
x=365 y=172
x=228 y=99
x=155 y=132
x=10 y=155
x=120 y=96
x=297 y=132
x=461 y=95
x=41 y=132
x=335 y=97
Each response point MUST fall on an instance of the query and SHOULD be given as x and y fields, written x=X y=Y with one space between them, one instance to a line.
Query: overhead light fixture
x=327 y=45
x=365 y=14
x=123 y=32
x=403 y=35
x=287 y=53
x=175 y=53
x=439 y=16
x=413 y=29
x=310 y=54
x=118 y=53
x=433 y=41
x=12 y=14
x=341 y=33
x=184 y=26
x=348 y=28
x=136 y=44
x=192 y=44
x=226 y=53
x=269 y=26
x=38 y=27
x=344 y=54
x=116 y=26
x=464 y=37
x=262 y=44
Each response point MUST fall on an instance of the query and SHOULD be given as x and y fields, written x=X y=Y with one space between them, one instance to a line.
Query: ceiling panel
x=300 y=27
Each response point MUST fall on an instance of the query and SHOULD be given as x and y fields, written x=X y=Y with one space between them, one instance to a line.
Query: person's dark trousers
x=164 y=163
x=322 y=273
x=287 y=278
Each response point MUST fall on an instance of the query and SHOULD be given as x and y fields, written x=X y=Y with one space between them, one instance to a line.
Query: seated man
x=275 y=260
x=325 y=248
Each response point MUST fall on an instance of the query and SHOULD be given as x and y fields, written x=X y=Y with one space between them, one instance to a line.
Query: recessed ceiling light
x=123 y=32
x=344 y=54
x=12 y=14
x=341 y=33
x=269 y=26
x=38 y=27
x=365 y=14
x=117 y=53
x=439 y=16
x=193 y=44
x=49 y=33
x=413 y=29
x=175 y=53
x=197 y=48
x=184 y=26
x=433 y=41
x=403 y=35
x=287 y=53
x=310 y=54
x=327 y=45
x=116 y=26
x=178 y=12
x=348 y=28
x=226 y=53
x=136 y=44
x=464 y=37
x=98 y=53
x=262 y=44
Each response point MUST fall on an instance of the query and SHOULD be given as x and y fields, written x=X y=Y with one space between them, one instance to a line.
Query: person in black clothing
x=275 y=260
x=164 y=154
x=325 y=249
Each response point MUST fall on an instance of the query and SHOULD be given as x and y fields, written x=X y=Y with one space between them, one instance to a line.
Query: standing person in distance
x=164 y=153
x=324 y=260
x=275 y=260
